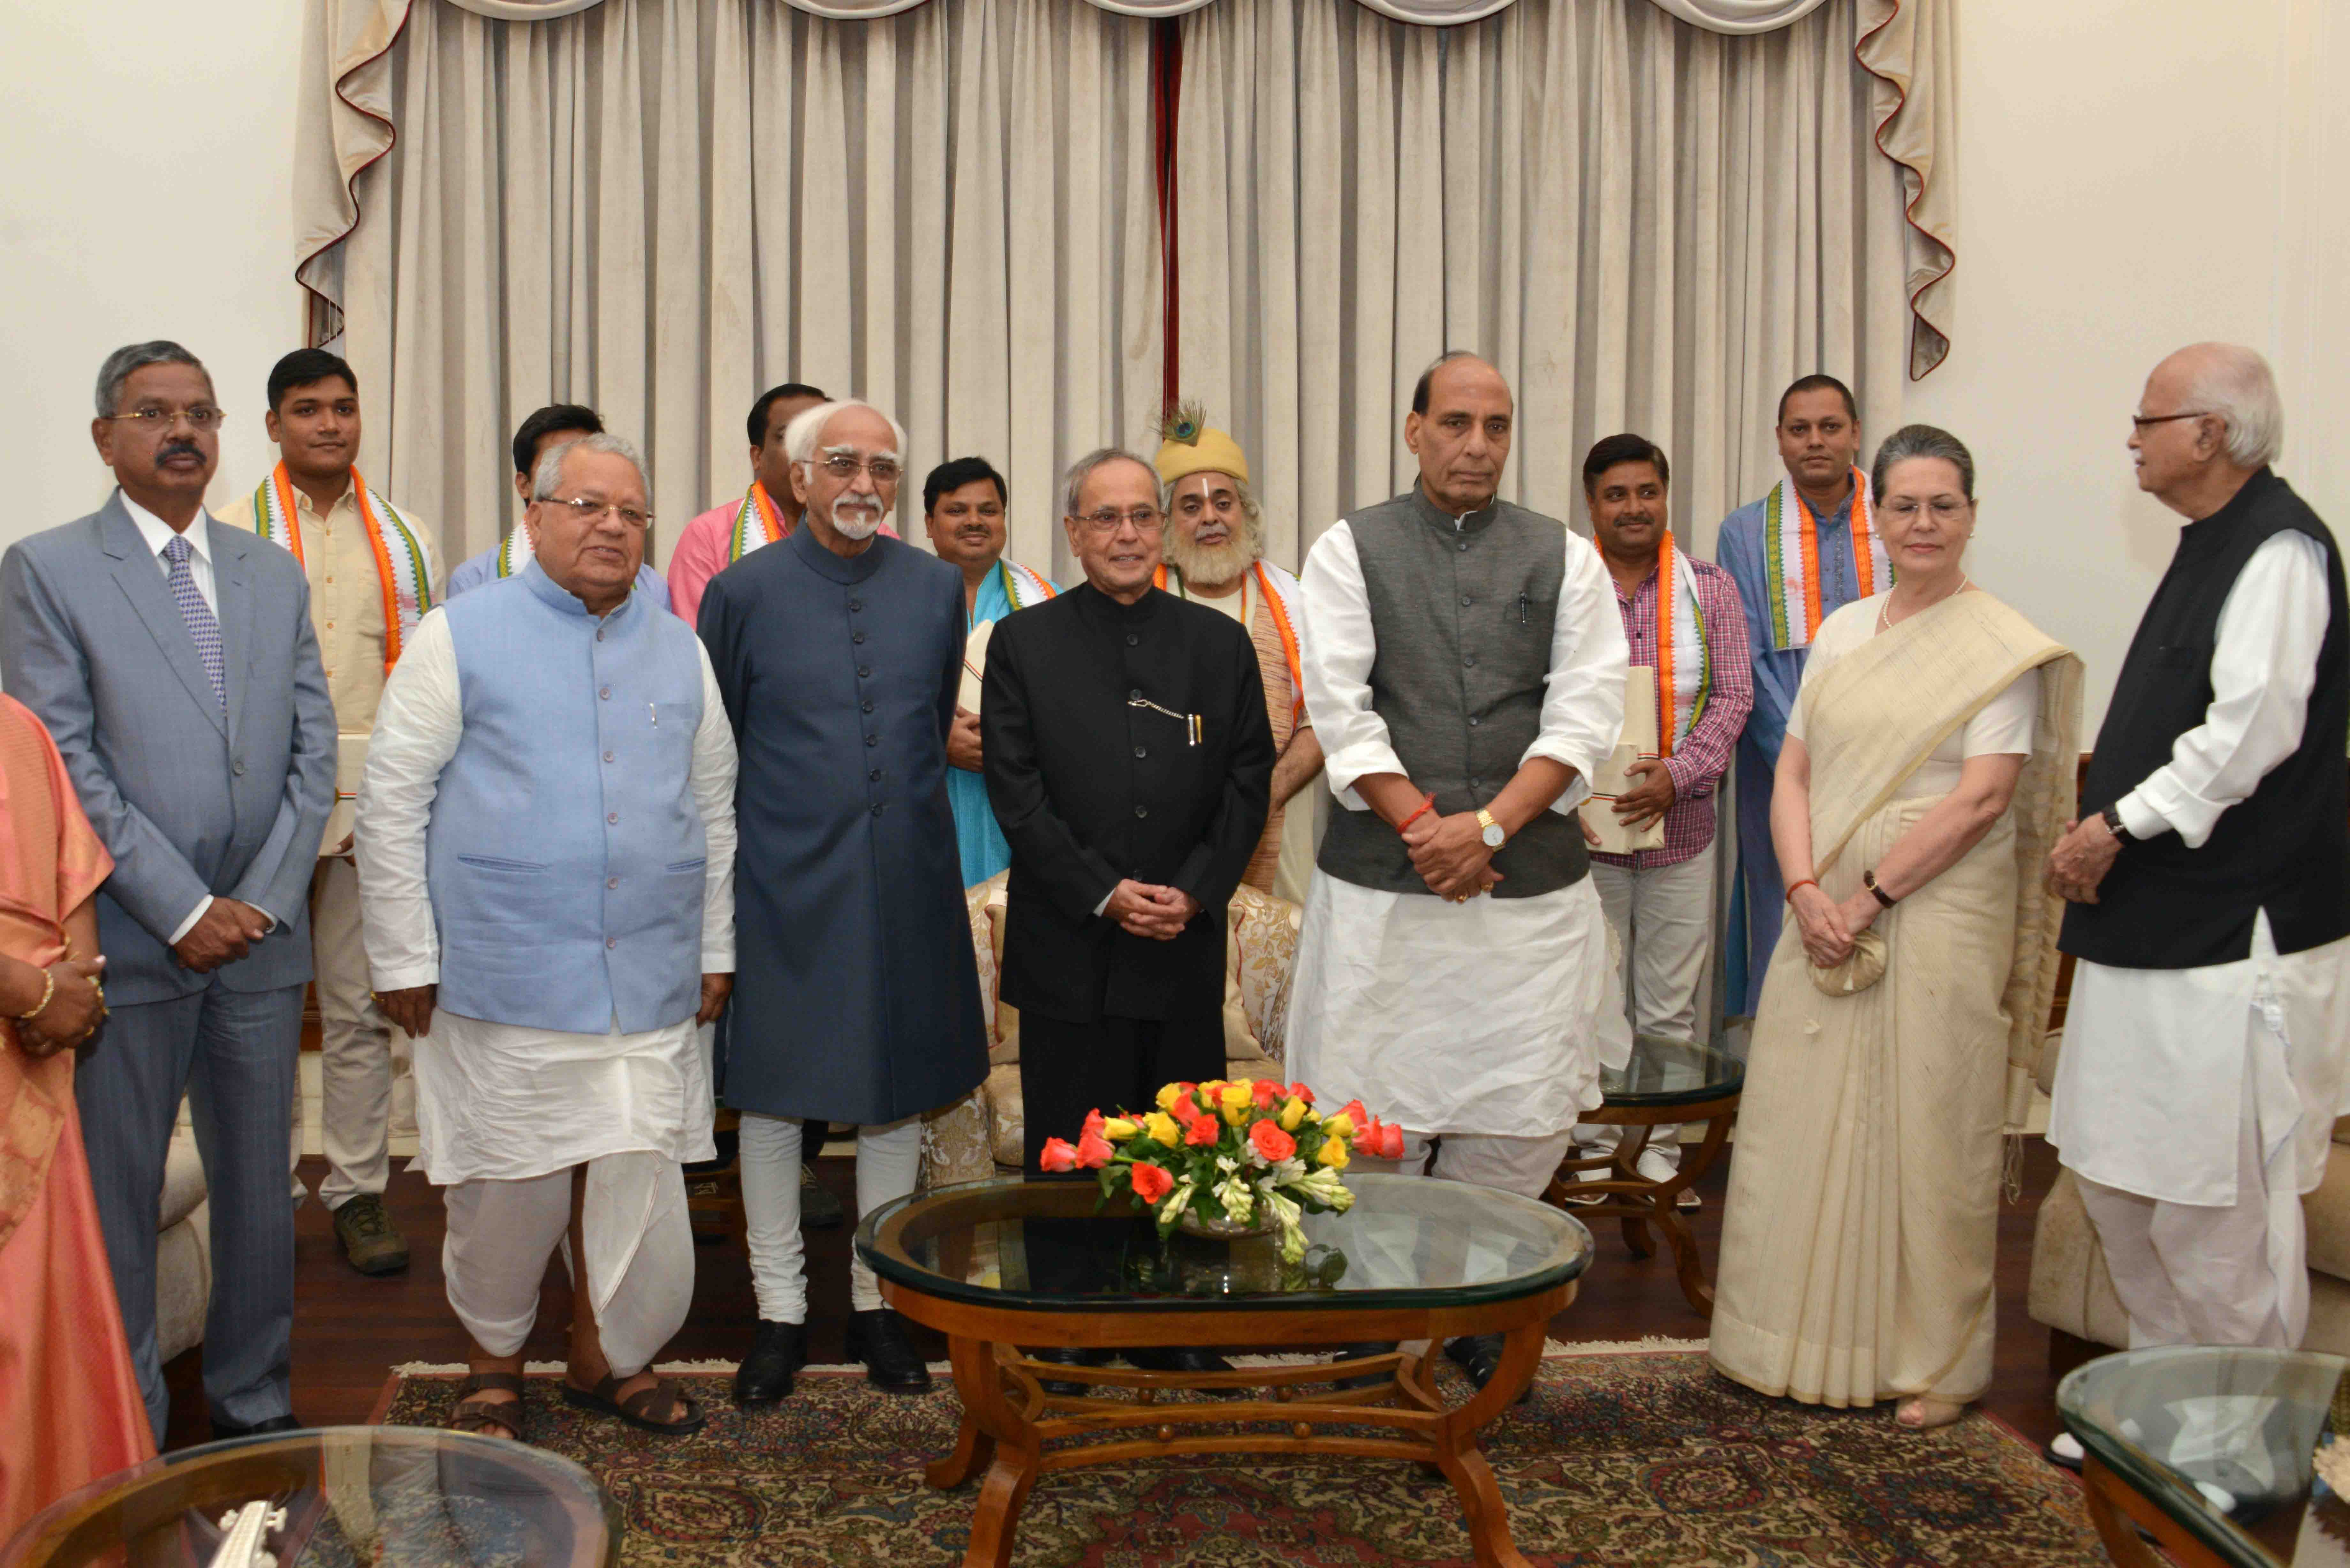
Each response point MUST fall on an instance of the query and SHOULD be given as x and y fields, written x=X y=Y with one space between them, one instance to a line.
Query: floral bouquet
x=1230 y=1157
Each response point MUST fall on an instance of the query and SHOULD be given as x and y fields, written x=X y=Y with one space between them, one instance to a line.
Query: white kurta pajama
x=504 y=1112
x=2195 y=1106
x=1479 y=1023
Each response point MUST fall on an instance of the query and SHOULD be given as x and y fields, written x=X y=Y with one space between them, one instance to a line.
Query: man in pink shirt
x=766 y=513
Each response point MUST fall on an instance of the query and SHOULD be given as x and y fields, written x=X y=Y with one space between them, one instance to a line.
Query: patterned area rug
x=1622 y=1459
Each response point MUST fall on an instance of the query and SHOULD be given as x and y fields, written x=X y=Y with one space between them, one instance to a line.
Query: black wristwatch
x=2114 y=824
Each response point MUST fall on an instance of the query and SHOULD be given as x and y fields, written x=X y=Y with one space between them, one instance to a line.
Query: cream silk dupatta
x=1858 y=1243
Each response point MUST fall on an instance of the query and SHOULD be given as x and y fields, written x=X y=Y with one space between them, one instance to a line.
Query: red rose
x=1271 y=1142
x=1093 y=1125
x=1057 y=1154
x=1093 y=1150
x=1300 y=1092
x=1353 y=1111
x=1150 y=1183
x=1204 y=1130
x=1385 y=1140
x=1266 y=1091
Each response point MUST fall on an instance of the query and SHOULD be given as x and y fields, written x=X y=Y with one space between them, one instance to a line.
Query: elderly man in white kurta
x=1465 y=669
x=547 y=852
x=2202 y=1066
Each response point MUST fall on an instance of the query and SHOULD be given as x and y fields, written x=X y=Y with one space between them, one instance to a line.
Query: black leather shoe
x=1181 y=1358
x=1065 y=1356
x=1362 y=1351
x=224 y=1429
x=1479 y=1356
x=877 y=1338
x=819 y=1209
x=778 y=1350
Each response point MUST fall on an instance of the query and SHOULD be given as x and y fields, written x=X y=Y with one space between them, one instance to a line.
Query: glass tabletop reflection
x=386 y=1497
x=1049 y=1245
x=1671 y=1072
x=2222 y=1441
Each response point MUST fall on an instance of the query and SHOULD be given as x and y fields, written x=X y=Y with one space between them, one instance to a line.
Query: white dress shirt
x=1487 y=1018
x=2151 y=1086
x=158 y=536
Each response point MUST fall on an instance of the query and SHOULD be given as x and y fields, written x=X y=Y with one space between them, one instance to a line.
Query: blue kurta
x=978 y=836
x=856 y=993
x=1778 y=676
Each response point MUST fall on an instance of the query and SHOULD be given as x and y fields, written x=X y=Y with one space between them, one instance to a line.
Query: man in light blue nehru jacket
x=546 y=865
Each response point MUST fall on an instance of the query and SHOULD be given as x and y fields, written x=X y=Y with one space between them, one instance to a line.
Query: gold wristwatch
x=1492 y=835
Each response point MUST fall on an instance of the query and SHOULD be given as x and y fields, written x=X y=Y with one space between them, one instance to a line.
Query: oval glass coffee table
x=2208 y=1450
x=404 y=1497
x=1666 y=1083
x=997 y=1265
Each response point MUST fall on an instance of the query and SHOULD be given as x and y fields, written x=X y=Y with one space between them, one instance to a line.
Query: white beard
x=856 y=522
x=1211 y=563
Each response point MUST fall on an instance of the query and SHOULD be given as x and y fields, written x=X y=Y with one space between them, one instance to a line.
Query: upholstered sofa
x=184 y=1247
x=2073 y=1293
x=980 y=1136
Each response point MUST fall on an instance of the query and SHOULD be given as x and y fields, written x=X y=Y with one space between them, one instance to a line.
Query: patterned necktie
x=201 y=626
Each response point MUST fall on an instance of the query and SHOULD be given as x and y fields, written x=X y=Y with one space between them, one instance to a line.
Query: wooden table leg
x=997 y=1434
x=1463 y=1462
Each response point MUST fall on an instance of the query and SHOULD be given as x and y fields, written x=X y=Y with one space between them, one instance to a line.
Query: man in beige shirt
x=373 y=574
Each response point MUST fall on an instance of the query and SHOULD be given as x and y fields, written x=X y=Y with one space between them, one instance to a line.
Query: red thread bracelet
x=1425 y=806
x=1806 y=882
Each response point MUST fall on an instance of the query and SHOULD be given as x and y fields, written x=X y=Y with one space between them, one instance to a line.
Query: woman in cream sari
x=1928 y=765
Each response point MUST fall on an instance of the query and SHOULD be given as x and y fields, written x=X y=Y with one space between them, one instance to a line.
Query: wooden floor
x=350 y=1331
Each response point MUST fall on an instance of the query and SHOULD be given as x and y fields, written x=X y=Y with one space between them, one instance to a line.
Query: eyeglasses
x=1147 y=521
x=589 y=511
x=155 y=421
x=2139 y=421
x=843 y=466
x=1944 y=509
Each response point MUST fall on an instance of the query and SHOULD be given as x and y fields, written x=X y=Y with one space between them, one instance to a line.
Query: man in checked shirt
x=1682 y=619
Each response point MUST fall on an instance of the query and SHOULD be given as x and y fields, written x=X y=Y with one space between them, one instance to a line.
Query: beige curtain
x=660 y=208
x=1645 y=224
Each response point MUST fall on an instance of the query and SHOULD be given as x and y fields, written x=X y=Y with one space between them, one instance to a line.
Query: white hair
x=1073 y=486
x=549 y=472
x=2235 y=383
x=807 y=426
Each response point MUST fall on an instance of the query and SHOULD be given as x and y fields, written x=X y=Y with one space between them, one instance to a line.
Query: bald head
x=1460 y=428
x=2209 y=418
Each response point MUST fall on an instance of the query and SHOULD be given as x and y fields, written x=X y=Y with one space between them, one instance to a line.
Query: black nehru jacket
x=2285 y=849
x=1091 y=789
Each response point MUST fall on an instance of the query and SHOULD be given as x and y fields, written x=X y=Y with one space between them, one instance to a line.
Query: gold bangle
x=48 y=994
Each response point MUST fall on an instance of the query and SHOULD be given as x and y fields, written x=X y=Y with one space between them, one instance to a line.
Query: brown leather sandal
x=477 y=1415
x=637 y=1409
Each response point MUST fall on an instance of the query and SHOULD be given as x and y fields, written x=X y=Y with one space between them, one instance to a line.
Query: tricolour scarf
x=398 y=556
x=1790 y=545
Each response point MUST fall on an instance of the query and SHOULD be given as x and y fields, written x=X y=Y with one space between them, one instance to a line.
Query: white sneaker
x=1655 y=1165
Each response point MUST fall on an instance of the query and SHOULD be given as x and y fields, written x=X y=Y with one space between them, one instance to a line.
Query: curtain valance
x=1720 y=15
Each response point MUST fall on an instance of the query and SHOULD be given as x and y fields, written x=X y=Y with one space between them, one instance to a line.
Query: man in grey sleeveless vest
x=1465 y=670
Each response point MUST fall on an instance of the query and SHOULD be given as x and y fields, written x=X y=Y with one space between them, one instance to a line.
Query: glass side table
x=382 y=1497
x=1666 y=1083
x=2208 y=1450
x=998 y=1265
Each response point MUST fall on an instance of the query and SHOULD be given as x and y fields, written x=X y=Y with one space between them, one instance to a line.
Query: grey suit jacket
x=91 y=641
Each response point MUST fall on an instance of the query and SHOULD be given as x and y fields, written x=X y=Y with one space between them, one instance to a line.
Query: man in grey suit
x=172 y=657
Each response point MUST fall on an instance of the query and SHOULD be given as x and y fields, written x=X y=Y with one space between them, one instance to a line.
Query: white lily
x=1238 y=1198
x=1323 y=1186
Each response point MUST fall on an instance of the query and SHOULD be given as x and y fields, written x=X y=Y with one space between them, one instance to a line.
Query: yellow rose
x=1339 y=1125
x=1333 y=1154
x=1292 y=1114
x=1163 y=1130
x=1117 y=1129
x=1168 y=1095
x=1239 y=1097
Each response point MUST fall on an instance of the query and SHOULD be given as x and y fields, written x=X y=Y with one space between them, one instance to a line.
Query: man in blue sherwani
x=839 y=654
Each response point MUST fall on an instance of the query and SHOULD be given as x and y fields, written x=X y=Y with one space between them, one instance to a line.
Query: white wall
x=147 y=147
x=2134 y=175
